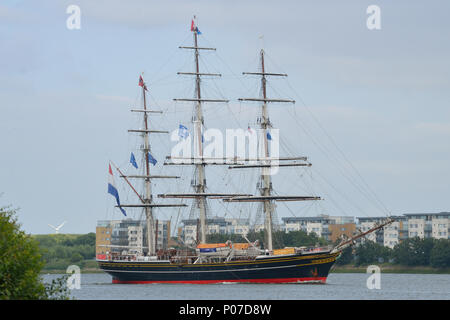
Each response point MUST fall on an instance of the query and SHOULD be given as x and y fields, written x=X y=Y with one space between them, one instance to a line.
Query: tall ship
x=227 y=262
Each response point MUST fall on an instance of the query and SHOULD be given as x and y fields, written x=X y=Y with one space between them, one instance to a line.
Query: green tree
x=281 y=239
x=76 y=257
x=223 y=237
x=21 y=263
x=346 y=256
x=371 y=252
x=297 y=239
x=85 y=239
x=440 y=254
x=414 y=252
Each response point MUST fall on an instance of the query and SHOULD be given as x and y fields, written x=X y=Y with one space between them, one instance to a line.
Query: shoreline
x=391 y=269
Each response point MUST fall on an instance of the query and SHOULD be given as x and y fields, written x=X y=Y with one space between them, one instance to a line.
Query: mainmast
x=199 y=186
x=199 y=183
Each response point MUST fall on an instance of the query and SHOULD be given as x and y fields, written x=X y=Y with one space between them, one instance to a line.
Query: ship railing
x=314 y=249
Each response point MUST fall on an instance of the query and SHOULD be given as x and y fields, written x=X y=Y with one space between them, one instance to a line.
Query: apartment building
x=215 y=225
x=428 y=225
x=340 y=230
x=129 y=235
x=102 y=237
x=317 y=225
x=332 y=228
x=136 y=239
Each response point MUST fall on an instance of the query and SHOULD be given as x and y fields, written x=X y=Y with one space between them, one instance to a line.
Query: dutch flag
x=194 y=28
x=113 y=190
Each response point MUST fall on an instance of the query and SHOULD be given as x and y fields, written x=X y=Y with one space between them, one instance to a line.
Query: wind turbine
x=58 y=227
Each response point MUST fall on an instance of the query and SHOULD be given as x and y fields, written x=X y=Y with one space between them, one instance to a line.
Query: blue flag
x=269 y=137
x=133 y=160
x=151 y=159
x=112 y=189
x=183 y=132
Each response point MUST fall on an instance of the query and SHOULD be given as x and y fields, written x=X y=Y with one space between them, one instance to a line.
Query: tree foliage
x=21 y=263
x=61 y=250
x=346 y=256
x=440 y=254
x=281 y=239
x=414 y=251
x=409 y=252
x=371 y=252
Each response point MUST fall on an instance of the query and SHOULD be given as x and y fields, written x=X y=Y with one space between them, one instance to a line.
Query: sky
x=372 y=108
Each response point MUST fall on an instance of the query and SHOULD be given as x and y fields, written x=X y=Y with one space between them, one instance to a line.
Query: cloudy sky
x=372 y=111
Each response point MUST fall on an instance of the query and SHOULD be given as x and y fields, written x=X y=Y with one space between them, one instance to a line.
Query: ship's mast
x=265 y=186
x=147 y=184
x=265 y=189
x=147 y=199
x=199 y=160
x=200 y=168
x=199 y=183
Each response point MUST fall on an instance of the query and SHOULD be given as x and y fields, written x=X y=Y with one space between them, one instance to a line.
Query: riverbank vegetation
x=21 y=264
x=413 y=252
x=61 y=250
x=281 y=239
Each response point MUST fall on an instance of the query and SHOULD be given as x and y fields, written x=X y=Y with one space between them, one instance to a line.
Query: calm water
x=338 y=286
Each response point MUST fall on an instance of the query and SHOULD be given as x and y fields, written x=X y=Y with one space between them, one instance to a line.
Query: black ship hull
x=295 y=268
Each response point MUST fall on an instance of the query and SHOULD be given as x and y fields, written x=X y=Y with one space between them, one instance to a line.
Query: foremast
x=151 y=239
x=146 y=198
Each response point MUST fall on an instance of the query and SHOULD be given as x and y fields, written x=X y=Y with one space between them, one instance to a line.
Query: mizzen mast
x=265 y=184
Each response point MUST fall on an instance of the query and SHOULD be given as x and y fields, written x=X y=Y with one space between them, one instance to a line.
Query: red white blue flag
x=113 y=190
x=142 y=84
x=194 y=28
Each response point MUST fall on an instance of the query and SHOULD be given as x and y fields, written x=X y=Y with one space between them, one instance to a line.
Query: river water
x=342 y=286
